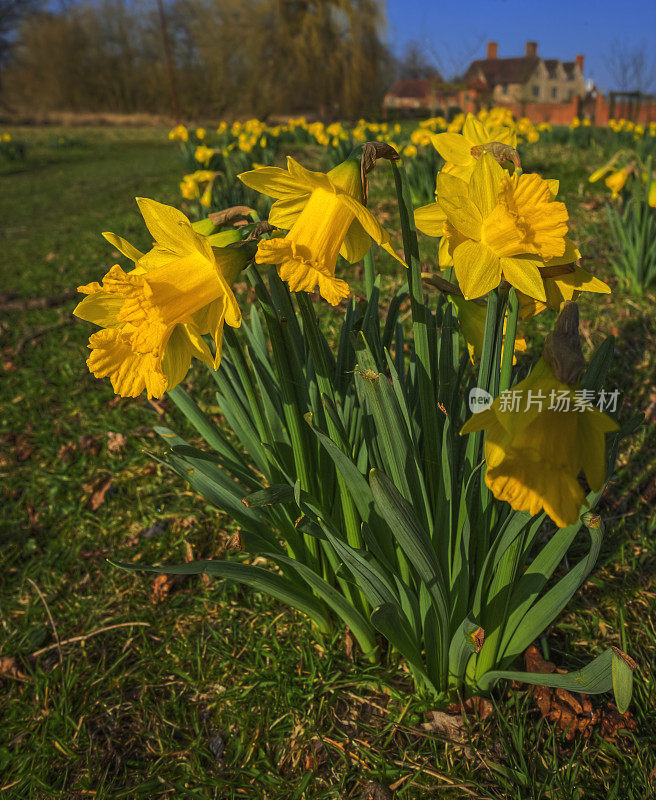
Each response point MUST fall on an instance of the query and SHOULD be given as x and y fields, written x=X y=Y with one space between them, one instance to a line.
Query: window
x=554 y=93
x=570 y=95
x=536 y=91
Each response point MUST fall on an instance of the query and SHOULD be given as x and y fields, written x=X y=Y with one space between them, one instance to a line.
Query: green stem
x=431 y=440
x=509 y=342
x=369 y=272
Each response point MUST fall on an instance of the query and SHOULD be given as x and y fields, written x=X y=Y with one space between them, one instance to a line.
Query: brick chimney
x=492 y=50
x=531 y=49
x=579 y=62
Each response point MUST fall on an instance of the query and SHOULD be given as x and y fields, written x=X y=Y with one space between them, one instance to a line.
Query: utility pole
x=175 y=105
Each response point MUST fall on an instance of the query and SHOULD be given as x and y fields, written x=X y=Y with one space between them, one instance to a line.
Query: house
x=413 y=97
x=525 y=79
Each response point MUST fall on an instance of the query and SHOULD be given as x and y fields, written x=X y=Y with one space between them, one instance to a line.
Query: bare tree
x=416 y=62
x=632 y=68
x=453 y=61
x=12 y=13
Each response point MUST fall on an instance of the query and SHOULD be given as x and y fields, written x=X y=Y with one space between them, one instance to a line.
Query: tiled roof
x=552 y=67
x=419 y=88
x=569 y=67
x=503 y=70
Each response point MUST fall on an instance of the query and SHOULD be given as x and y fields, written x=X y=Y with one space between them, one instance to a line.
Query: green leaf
x=258 y=578
x=466 y=641
x=413 y=540
x=546 y=609
x=609 y=671
x=622 y=673
x=270 y=496
x=394 y=627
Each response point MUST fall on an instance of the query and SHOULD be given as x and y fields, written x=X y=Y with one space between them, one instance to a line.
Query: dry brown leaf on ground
x=650 y=413
x=89 y=444
x=349 y=644
x=612 y=721
x=115 y=442
x=9 y=669
x=450 y=725
x=161 y=586
x=315 y=754
x=99 y=492
x=478 y=706
x=376 y=791
x=66 y=451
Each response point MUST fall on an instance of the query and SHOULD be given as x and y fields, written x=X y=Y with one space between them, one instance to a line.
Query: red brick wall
x=597 y=111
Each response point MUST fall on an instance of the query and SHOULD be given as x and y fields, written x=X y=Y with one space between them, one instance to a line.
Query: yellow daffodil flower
x=152 y=318
x=652 y=194
x=179 y=133
x=203 y=154
x=617 y=180
x=534 y=457
x=325 y=216
x=603 y=171
x=456 y=148
x=190 y=186
x=200 y=133
x=536 y=446
x=501 y=226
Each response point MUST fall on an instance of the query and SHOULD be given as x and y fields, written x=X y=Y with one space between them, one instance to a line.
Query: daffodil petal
x=123 y=246
x=523 y=273
x=177 y=357
x=315 y=180
x=429 y=219
x=452 y=147
x=101 y=308
x=474 y=131
x=275 y=182
x=485 y=183
x=477 y=269
x=356 y=244
x=284 y=213
x=448 y=185
x=463 y=215
x=171 y=229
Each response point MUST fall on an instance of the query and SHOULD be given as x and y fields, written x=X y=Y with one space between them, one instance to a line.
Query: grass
x=196 y=690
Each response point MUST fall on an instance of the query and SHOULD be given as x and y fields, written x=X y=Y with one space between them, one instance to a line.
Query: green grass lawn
x=190 y=689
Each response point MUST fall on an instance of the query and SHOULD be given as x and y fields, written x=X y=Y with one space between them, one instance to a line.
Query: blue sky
x=457 y=30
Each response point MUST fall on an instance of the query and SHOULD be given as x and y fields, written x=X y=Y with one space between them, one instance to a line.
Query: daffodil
x=536 y=448
x=617 y=180
x=456 y=148
x=651 y=199
x=179 y=133
x=325 y=216
x=601 y=172
x=203 y=154
x=153 y=317
x=501 y=226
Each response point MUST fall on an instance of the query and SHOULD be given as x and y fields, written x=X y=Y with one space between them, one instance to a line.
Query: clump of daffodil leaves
x=351 y=452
